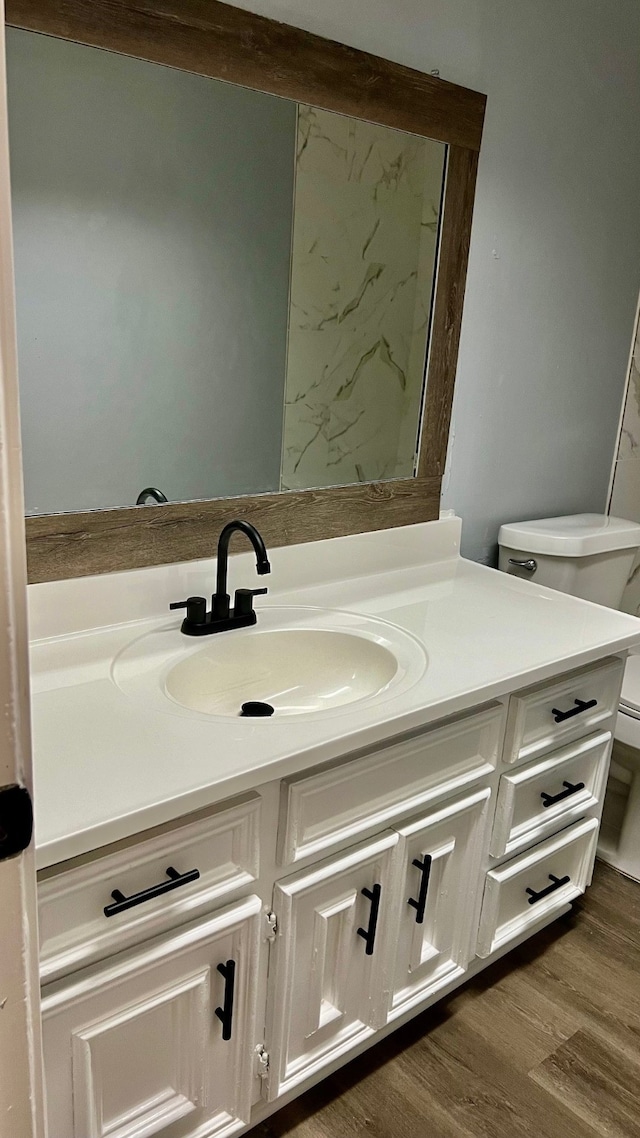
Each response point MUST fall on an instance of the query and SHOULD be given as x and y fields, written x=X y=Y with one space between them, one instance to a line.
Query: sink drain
x=257 y=710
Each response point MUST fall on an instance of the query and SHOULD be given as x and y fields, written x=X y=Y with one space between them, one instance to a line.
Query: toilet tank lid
x=575 y=535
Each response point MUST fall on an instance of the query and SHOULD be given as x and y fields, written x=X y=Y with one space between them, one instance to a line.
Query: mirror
x=219 y=291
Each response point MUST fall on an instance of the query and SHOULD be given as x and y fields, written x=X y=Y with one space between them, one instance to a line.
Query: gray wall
x=555 y=257
x=152 y=219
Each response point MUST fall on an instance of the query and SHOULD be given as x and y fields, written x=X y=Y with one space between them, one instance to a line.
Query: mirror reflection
x=219 y=292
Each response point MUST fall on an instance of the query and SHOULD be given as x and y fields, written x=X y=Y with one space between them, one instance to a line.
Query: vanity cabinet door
x=331 y=961
x=160 y=1041
x=437 y=893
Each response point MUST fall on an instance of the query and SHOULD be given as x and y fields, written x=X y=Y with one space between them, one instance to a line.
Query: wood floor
x=544 y=1044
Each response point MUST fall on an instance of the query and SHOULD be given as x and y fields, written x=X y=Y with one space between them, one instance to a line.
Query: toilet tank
x=588 y=555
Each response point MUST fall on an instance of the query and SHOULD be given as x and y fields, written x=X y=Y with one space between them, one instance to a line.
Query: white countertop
x=107 y=766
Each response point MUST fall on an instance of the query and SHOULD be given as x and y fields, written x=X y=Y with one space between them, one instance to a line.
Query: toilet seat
x=628 y=721
x=631 y=712
x=630 y=694
x=619 y=842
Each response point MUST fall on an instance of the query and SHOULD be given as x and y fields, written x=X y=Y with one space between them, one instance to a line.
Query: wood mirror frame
x=214 y=39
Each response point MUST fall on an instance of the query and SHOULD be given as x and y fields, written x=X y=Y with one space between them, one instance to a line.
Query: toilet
x=591 y=556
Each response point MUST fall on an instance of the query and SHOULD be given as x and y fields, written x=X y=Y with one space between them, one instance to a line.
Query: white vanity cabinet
x=565 y=729
x=362 y=891
x=370 y=933
x=159 y=1040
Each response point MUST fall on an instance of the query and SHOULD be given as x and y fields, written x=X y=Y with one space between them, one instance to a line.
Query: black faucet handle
x=243 y=601
x=196 y=609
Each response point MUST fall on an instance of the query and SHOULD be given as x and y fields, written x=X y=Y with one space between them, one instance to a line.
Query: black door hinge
x=16 y=820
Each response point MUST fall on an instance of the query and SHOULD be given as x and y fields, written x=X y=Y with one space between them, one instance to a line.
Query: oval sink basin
x=298 y=660
x=295 y=671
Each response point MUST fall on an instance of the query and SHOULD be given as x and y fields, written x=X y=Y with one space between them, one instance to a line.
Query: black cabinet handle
x=556 y=883
x=369 y=934
x=580 y=706
x=225 y=1013
x=421 y=904
x=570 y=788
x=175 y=881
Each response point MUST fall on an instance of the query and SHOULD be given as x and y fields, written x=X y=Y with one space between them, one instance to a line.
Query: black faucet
x=199 y=622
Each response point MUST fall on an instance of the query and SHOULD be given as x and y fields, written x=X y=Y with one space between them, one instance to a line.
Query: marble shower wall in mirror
x=219 y=292
x=365 y=230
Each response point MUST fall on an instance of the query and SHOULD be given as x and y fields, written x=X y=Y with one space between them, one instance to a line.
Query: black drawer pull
x=421 y=904
x=556 y=883
x=175 y=881
x=369 y=934
x=580 y=706
x=225 y=1013
x=570 y=788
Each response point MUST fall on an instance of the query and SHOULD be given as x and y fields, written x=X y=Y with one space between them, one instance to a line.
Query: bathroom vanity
x=229 y=907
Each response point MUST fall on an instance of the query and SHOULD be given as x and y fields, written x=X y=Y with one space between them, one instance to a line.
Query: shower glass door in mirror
x=219 y=292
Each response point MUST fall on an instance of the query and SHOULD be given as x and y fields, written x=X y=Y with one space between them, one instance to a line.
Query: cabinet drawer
x=373 y=789
x=531 y=886
x=221 y=844
x=546 y=795
x=552 y=714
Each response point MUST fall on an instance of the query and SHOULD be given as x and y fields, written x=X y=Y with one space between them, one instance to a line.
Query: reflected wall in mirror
x=219 y=291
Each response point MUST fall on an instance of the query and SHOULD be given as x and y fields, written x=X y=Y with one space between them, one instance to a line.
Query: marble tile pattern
x=625 y=499
x=366 y=210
